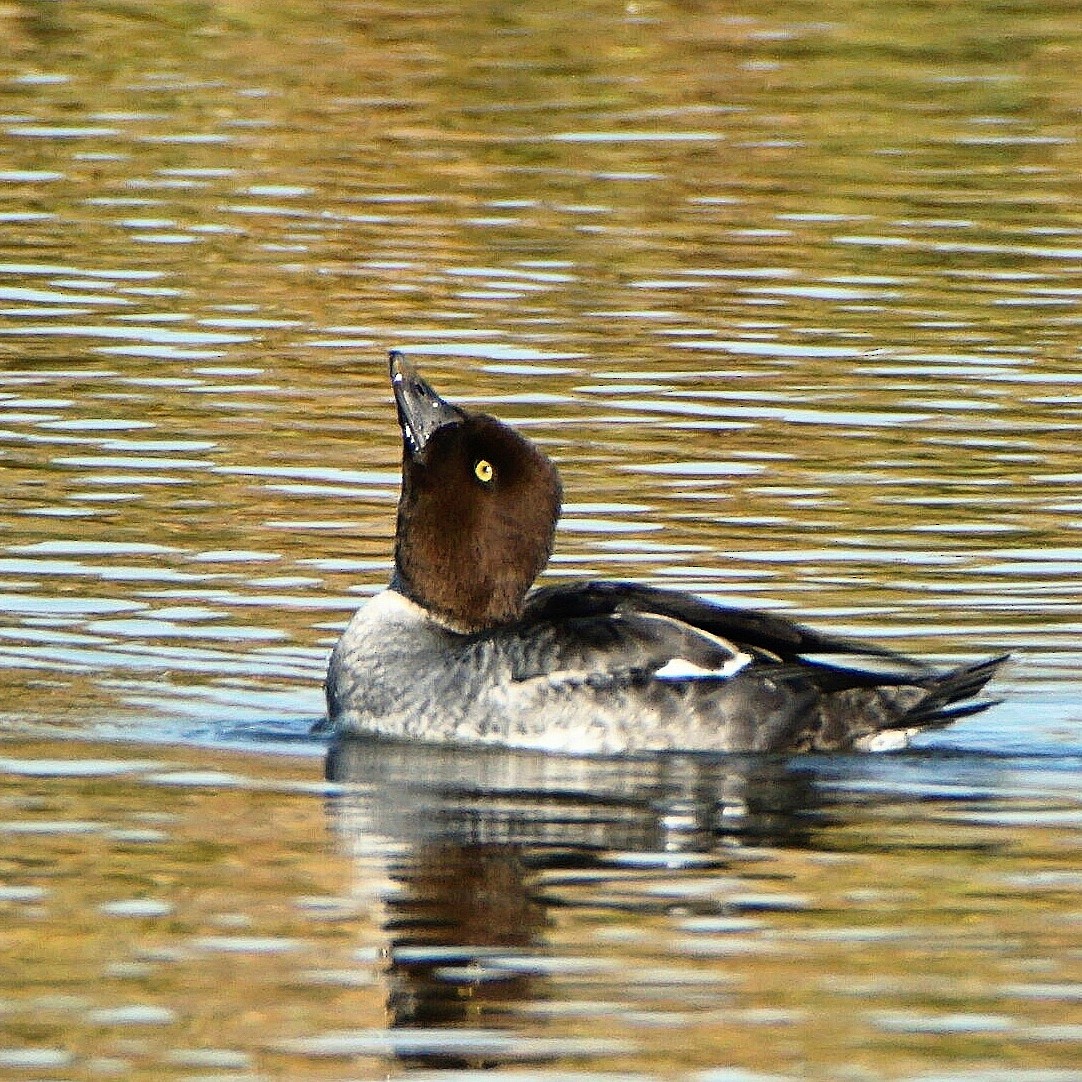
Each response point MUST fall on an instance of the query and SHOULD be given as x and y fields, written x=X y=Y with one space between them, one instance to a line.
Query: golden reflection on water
x=836 y=253
x=803 y=290
x=164 y=909
x=792 y=298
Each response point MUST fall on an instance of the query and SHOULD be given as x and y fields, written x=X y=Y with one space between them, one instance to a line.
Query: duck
x=461 y=647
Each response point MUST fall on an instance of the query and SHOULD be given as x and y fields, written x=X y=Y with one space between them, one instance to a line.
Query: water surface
x=792 y=298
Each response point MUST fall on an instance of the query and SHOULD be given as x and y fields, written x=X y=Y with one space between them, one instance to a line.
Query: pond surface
x=791 y=297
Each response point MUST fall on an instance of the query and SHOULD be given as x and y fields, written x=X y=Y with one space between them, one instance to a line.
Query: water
x=793 y=301
x=180 y=911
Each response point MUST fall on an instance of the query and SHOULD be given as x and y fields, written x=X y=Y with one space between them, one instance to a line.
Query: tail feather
x=855 y=716
x=947 y=696
x=944 y=716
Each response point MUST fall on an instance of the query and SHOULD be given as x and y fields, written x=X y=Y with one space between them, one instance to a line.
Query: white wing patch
x=679 y=668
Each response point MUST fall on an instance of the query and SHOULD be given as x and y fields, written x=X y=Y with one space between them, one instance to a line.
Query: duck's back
x=613 y=668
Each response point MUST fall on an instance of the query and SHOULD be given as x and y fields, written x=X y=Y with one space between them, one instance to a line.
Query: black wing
x=830 y=662
x=764 y=634
x=668 y=635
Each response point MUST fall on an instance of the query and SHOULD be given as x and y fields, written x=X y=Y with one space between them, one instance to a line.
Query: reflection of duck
x=458 y=650
x=473 y=844
x=455 y=907
x=505 y=797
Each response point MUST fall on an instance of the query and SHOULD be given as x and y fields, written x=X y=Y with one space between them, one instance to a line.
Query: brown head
x=478 y=509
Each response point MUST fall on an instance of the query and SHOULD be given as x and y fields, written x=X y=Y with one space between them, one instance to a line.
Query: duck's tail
x=950 y=696
x=877 y=712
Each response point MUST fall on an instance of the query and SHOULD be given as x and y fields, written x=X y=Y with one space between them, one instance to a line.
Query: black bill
x=420 y=410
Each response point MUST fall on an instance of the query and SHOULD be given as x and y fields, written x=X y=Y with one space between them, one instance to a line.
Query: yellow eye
x=483 y=470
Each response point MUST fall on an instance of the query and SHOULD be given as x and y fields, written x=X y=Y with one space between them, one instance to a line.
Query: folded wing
x=841 y=693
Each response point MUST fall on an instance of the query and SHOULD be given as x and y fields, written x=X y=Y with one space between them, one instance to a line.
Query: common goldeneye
x=458 y=648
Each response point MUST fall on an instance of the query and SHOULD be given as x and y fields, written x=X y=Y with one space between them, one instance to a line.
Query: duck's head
x=478 y=509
